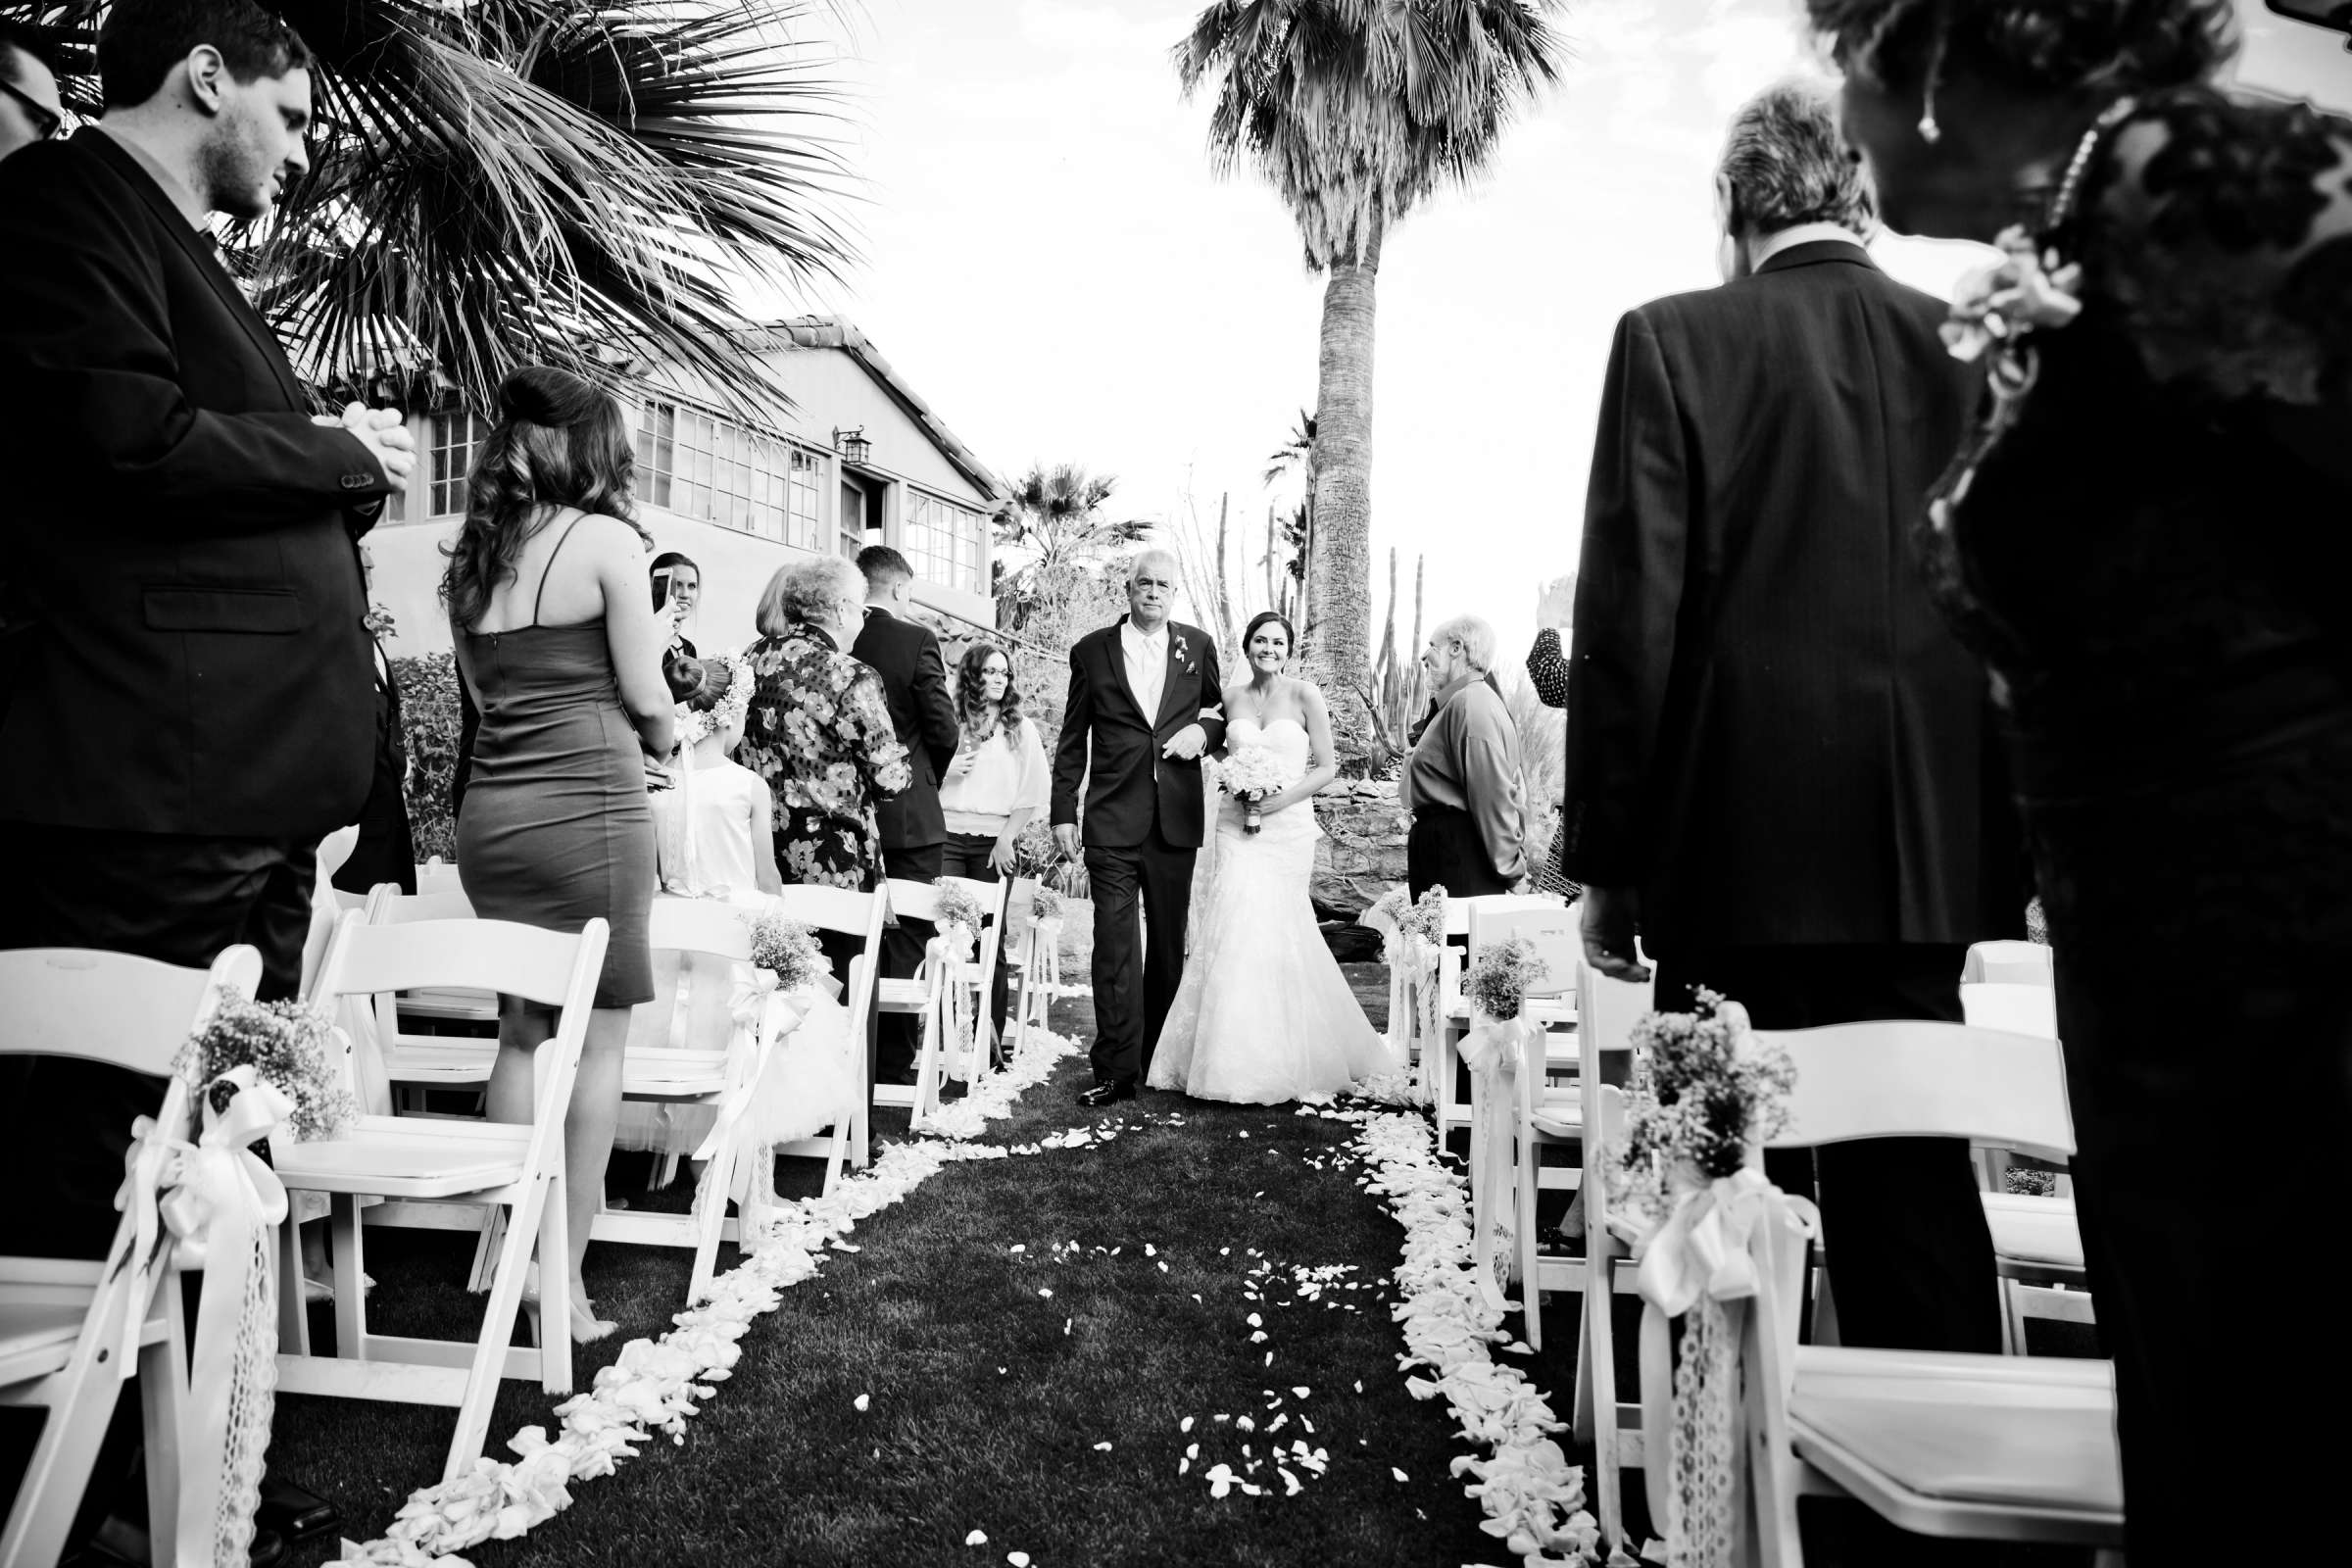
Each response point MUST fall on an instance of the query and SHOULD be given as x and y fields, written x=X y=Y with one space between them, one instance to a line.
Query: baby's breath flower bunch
x=787 y=949
x=289 y=1045
x=957 y=907
x=1427 y=917
x=1710 y=1092
x=1498 y=983
x=1044 y=903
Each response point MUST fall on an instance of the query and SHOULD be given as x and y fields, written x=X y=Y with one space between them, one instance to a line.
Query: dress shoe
x=294 y=1512
x=1106 y=1094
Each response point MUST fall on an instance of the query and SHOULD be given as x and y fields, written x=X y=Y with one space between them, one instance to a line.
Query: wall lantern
x=853 y=444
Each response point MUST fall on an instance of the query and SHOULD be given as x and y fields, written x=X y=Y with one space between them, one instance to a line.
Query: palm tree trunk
x=1339 y=582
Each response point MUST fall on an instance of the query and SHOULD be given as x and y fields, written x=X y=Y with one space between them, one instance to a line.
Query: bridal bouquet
x=1251 y=773
x=787 y=950
x=288 y=1044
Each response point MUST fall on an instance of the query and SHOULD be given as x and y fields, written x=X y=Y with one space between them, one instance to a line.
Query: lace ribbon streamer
x=1496 y=1054
x=1721 y=1243
x=219 y=1200
x=942 y=955
x=1421 y=994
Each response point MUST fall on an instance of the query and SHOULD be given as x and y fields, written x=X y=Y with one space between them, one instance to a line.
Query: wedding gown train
x=1263 y=1015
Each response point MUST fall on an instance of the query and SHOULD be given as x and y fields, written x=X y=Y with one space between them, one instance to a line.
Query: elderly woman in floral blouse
x=819 y=730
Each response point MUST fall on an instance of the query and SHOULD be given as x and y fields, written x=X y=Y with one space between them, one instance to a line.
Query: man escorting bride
x=1263 y=1015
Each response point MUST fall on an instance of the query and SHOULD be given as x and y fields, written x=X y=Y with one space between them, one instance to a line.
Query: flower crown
x=730 y=710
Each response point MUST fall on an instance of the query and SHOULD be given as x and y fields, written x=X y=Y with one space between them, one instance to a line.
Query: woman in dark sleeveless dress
x=2148 y=540
x=562 y=652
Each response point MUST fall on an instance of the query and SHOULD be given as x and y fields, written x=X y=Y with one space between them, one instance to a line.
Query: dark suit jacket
x=1772 y=733
x=185 y=594
x=914 y=680
x=1112 y=746
x=386 y=852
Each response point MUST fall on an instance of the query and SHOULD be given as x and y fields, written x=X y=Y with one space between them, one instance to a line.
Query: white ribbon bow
x=1496 y=1053
x=1721 y=1243
x=762 y=1014
x=952 y=946
x=217 y=1197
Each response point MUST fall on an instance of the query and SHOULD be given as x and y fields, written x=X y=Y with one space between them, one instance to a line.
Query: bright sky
x=1053 y=267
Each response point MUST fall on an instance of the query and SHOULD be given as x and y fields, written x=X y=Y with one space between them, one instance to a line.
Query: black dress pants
x=1909 y=1254
x=967 y=857
x=899 y=1034
x=1128 y=1015
x=1444 y=849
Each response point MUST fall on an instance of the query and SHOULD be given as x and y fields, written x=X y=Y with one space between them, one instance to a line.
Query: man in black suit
x=193 y=697
x=914 y=834
x=1778 y=757
x=1145 y=704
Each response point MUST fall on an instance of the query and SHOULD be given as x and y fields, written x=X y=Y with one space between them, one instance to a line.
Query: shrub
x=428 y=710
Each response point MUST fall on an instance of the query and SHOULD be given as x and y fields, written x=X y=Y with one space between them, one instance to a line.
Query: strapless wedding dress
x=1263 y=1015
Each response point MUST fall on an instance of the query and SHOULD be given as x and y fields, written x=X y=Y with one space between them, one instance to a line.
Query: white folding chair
x=702 y=1072
x=849 y=913
x=924 y=993
x=1440 y=1069
x=2006 y=962
x=417 y=1062
x=63 y=1323
x=1551 y=1006
x=453 y=1161
x=2036 y=1241
x=1988 y=1447
x=437 y=875
x=1606 y=1010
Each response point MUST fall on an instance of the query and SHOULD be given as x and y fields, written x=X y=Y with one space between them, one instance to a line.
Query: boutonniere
x=2026 y=290
x=1183 y=652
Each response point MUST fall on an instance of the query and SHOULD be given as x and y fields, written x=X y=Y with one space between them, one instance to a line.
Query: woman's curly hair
x=970 y=705
x=560 y=441
x=2092 y=47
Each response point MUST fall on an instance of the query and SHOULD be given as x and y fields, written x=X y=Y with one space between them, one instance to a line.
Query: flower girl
x=713 y=840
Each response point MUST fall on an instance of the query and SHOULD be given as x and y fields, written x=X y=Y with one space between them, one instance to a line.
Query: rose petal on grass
x=1399 y=1474
x=978 y=1538
x=863 y=1401
x=1101 y=1447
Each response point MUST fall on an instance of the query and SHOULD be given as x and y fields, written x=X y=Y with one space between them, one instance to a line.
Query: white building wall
x=831 y=391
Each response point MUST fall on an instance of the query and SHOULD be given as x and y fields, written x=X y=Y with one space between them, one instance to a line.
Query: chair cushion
x=672 y=1074
x=407 y=1156
x=2005 y=1430
x=37 y=1337
x=2035 y=1230
x=902 y=996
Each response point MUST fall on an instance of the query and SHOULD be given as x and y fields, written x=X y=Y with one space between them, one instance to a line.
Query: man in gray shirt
x=1462 y=782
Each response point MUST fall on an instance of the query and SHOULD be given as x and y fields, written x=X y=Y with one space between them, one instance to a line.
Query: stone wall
x=1361 y=854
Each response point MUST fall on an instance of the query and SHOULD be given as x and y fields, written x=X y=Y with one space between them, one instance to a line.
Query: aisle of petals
x=655 y=1383
x=1533 y=1497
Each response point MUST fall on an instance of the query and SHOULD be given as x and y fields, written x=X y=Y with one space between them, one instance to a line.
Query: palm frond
x=1355 y=110
x=590 y=183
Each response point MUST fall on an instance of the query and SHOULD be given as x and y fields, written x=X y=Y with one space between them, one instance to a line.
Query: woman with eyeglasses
x=819 y=729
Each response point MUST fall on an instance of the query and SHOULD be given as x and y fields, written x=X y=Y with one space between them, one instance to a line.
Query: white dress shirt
x=1147 y=666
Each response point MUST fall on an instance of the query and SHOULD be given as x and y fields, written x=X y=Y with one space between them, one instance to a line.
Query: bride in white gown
x=1263 y=1015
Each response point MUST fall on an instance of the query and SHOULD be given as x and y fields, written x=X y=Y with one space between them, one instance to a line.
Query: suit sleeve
x=1212 y=683
x=935 y=710
x=1069 y=752
x=1629 y=593
x=87 y=351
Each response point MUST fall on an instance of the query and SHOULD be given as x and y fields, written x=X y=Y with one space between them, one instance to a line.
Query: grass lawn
x=995 y=1377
